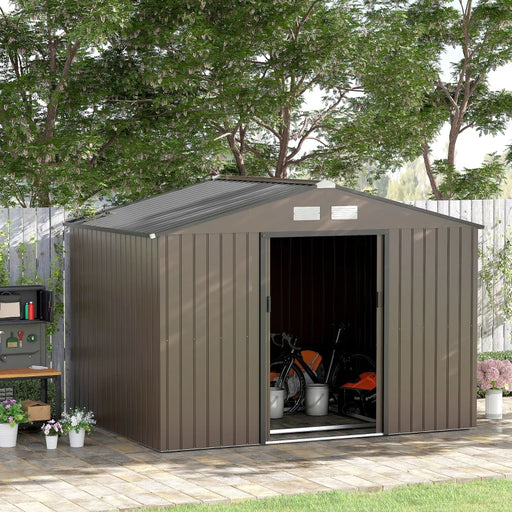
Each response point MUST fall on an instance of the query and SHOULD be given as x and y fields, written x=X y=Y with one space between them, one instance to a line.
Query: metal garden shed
x=174 y=298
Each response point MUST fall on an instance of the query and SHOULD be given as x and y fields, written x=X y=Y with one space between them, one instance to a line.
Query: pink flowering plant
x=77 y=418
x=52 y=428
x=491 y=374
x=11 y=411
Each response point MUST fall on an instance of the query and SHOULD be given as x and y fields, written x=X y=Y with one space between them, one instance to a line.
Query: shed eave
x=78 y=225
x=409 y=207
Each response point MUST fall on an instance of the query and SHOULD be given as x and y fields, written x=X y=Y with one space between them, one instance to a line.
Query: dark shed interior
x=318 y=282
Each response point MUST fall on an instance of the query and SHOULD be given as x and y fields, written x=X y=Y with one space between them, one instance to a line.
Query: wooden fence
x=496 y=217
x=30 y=239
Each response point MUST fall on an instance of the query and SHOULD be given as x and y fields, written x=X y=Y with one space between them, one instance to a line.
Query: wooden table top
x=24 y=373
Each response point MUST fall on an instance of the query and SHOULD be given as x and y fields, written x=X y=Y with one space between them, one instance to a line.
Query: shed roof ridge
x=266 y=179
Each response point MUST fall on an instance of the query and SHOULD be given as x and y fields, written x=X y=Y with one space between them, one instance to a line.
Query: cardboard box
x=37 y=410
x=10 y=310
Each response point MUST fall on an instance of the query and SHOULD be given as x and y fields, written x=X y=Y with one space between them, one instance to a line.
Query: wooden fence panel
x=28 y=241
x=494 y=333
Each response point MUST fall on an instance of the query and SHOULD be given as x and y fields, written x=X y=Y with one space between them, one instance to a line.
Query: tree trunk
x=284 y=140
x=428 y=167
x=237 y=154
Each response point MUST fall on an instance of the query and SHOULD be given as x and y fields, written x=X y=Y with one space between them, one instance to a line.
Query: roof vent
x=325 y=184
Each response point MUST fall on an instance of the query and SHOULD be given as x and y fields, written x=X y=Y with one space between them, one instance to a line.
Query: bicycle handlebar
x=279 y=339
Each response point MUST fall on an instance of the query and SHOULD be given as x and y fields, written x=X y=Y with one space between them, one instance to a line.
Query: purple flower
x=493 y=374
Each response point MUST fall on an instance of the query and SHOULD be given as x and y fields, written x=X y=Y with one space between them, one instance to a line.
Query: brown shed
x=174 y=299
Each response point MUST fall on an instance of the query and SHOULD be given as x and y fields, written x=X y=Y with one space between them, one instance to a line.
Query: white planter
x=317 y=399
x=276 y=403
x=51 y=442
x=8 y=435
x=76 y=439
x=493 y=404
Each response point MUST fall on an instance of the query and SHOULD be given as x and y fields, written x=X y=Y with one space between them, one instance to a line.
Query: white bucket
x=317 y=399
x=276 y=403
x=493 y=404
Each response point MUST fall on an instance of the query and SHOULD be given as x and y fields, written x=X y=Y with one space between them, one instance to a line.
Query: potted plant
x=51 y=431
x=11 y=415
x=76 y=423
x=493 y=377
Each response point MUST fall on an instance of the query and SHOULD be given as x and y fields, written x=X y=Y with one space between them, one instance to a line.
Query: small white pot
x=76 y=439
x=493 y=404
x=51 y=442
x=8 y=435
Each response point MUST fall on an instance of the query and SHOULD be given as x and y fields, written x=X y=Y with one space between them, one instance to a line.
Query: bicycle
x=296 y=364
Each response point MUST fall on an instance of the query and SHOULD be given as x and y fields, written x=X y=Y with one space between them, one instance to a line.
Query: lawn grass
x=477 y=496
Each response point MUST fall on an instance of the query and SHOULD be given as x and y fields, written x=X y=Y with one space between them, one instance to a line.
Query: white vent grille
x=343 y=212
x=306 y=213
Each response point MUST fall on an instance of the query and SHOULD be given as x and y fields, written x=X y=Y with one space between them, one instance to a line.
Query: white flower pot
x=51 y=442
x=8 y=435
x=493 y=404
x=76 y=439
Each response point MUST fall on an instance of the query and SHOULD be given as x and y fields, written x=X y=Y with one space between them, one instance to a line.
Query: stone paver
x=113 y=474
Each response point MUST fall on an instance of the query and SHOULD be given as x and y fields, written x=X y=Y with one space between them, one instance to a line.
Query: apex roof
x=207 y=200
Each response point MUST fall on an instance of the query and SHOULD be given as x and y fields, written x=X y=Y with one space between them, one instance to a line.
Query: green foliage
x=27 y=273
x=477 y=36
x=69 y=132
x=30 y=389
x=497 y=356
x=476 y=183
x=56 y=285
x=158 y=95
x=11 y=412
x=4 y=257
x=497 y=268
x=249 y=69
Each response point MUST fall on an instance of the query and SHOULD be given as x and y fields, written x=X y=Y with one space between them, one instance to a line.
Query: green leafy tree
x=41 y=46
x=478 y=35
x=74 y=124
x=249 y=68
x=481 y=33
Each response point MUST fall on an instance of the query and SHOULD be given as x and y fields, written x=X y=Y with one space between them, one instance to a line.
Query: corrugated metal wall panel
x=441 y=322
x=430 y=350
x=405 y=373
x=212 y=302
x=115 y=338
x=430 y=353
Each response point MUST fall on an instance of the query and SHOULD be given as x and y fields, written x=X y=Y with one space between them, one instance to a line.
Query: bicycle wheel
x=351 y=408
x=294 y=385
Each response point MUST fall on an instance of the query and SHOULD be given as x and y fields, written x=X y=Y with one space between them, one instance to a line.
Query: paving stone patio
x=112 y=473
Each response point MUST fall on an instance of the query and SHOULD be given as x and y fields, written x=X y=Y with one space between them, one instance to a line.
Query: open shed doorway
x=324 y=293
